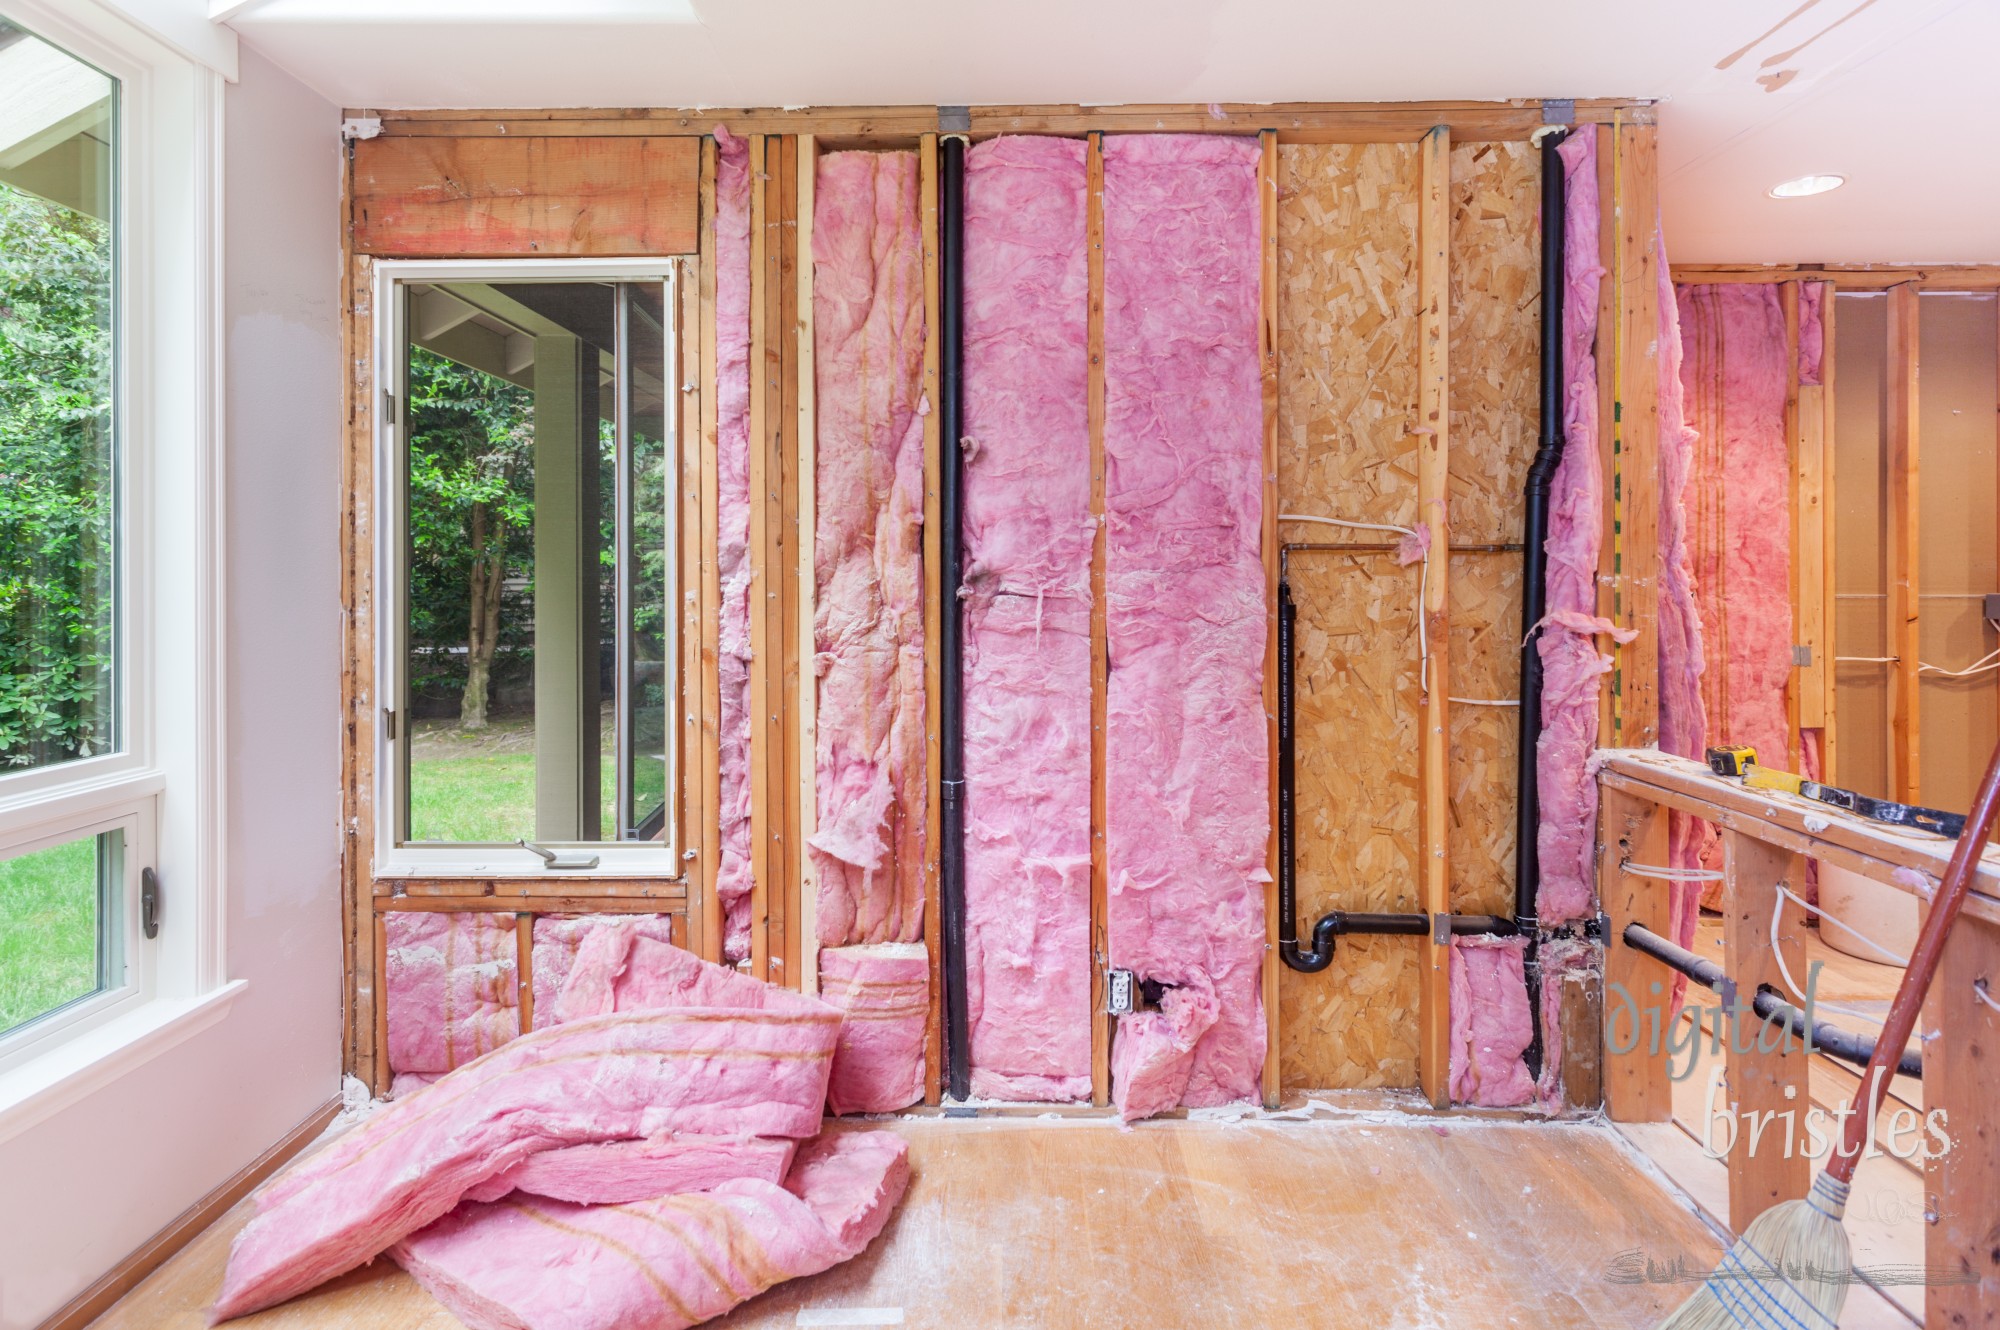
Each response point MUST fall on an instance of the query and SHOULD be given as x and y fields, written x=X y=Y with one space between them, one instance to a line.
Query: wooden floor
x=1885 y=1217
x=1361 y=1220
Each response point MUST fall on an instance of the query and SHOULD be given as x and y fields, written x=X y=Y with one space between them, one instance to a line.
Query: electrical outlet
x=1121 y=993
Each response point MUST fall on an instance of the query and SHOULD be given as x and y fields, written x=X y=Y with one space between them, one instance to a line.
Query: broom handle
x=1923 y=966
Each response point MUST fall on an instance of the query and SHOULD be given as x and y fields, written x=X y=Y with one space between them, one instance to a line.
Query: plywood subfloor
x=1365 y=1220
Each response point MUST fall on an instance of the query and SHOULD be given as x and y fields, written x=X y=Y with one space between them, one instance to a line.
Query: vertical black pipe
x=1534 y=579
x=951 y=714
x=1288 y=892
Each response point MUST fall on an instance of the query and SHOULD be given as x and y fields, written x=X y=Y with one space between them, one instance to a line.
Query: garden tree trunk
x=489 y=566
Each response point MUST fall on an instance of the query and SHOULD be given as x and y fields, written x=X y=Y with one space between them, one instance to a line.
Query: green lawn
x=48 y=930
x=480 y=785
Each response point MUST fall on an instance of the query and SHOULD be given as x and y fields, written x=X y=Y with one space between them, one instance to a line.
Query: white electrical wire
x=1486 y=701
x=1990 y=661
x=1670 y=874
x=1866 y=660
x=1852 y=931
x=1979 y=991
x=1423 y=581
x=1778 y=956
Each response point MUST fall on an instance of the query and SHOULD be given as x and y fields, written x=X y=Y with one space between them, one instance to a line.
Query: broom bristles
x=1789 y=1270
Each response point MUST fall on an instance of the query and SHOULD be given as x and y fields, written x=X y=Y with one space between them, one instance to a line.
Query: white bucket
x=1886 y=915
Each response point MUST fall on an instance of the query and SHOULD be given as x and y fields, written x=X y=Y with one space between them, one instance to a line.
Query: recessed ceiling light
x=1806 y=186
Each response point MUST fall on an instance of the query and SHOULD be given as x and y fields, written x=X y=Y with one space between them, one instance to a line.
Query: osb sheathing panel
x=1495 y=362
x=1347 y=352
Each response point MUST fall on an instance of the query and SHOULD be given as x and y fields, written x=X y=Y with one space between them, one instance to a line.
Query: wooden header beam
x=1294 y=122
x=1849 y=276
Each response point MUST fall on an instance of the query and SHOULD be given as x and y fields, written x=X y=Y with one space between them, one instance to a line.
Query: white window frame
x=616 y=859
x=164 y=784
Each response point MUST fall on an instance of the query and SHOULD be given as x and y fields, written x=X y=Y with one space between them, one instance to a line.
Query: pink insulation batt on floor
x=644 y=1074
x=1491 y=1024
x=453 y=994
x=1572 y=666
x=618 y=1172
x=868 y=341
x=1188 y=755
x=885 y=991
x=559 y=936
x=661 y=1264
x=619 y=970
x=732 y=537
x=1028 y=537
x=1736 y=367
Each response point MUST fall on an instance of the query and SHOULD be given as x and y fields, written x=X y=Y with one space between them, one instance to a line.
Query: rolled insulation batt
x=452 y=990
x=732 y=536
x=885 y=990
x=1028 y=538
x=1187 y=762
x=1491 y=1024
x=868 y=345
x=1572 y=666
x=1736 y=367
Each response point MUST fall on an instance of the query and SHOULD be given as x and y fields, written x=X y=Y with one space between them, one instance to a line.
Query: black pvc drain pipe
x=951 y=629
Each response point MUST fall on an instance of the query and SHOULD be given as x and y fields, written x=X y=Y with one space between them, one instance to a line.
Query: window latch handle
x=559 y=859
x=149 y=902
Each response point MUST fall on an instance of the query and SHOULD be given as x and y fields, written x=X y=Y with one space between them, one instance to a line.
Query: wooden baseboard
x=94 y=1301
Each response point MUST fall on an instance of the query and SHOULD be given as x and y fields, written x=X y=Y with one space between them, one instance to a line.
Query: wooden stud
x=935 y=445
x=808 y=698
x=1582 y=1006
x=524 y=969
x=784 y=933
x=762 y=686
x=1100 y=871
x=1635 y=429
x=1900 y=411
x=1961 y=1087
x=1809 y=546
x=1433 y=487
x=1766 y=1068
x=380 y=1074
x=1795 y=681
x=1606 y=353
x=1268 y=329
x=1637 y=991
x=708 y=841
x=1829 y=546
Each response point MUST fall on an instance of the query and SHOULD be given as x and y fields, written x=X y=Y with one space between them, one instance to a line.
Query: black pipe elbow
x=1320 y=955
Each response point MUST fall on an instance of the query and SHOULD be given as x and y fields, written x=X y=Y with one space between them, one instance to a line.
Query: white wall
x=83 y=1189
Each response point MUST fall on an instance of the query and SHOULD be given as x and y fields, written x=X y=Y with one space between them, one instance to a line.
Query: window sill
x=38 y=1089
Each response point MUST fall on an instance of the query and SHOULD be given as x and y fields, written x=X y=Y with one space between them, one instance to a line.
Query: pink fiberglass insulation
x=732 y=537
x=1560 y=958
x=619 y=1172
x=1491 y=1025
x=619 y=970
x=1028 y=538
x=1187 y=762
x=1812 y=333
x=1572 y=666
x=661 y=1264
x=1737 y=364
x=559 y=936
x=1154 y=1055
x=407 y=1083
x=704 y=1070
x=885 y=991
x=868 y=627
x=452 y=990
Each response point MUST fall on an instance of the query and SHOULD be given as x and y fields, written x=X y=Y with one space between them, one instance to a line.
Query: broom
x=1791 y=1267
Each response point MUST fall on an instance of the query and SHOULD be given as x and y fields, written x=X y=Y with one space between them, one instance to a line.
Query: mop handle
x=1923 y=966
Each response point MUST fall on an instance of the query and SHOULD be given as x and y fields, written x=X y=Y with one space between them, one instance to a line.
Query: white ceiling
x=1897 y=95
